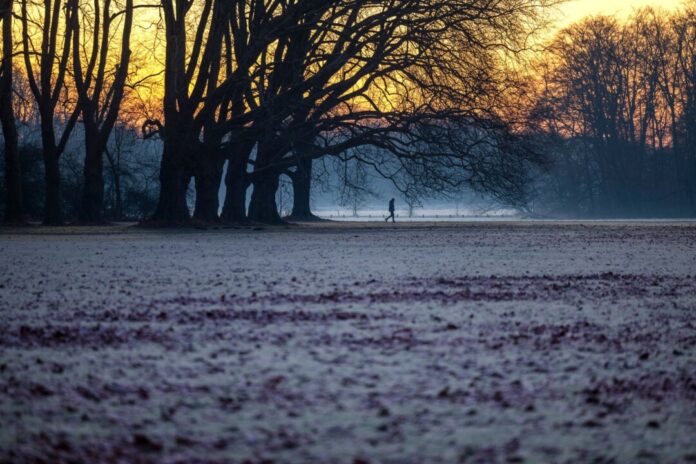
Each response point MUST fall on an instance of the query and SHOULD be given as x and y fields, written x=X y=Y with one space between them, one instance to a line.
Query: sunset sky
x=576 y=9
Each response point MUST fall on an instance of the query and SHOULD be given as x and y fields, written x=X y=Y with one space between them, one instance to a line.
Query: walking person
x=391 y=212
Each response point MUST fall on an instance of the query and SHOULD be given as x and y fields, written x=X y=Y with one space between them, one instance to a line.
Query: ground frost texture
x=422 y=343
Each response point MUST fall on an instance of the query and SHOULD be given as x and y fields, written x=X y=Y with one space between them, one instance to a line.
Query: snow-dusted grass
x=480 y=342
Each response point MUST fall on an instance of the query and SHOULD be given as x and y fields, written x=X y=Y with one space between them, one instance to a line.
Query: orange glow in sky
x=575 y=10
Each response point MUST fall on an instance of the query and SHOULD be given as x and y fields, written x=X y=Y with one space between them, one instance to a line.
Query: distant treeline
x=130 y=175
x=616 y=109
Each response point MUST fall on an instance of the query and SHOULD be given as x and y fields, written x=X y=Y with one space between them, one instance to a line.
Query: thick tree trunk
x=301 y=188
x=52 y=205
x=265 y=179
x=14 y=209
x=234 y=209
x=91 y=206
x=236 y=184
x=263 y=206
x=208 y=178
x=174 y=177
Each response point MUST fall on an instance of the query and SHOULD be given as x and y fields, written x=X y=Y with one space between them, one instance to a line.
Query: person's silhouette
x=391 y=211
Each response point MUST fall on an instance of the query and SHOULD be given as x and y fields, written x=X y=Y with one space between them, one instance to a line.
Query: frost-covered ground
x=429 y=214
x=351 y=343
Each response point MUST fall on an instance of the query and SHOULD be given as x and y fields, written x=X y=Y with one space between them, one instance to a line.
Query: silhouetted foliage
x=420 y=93
x=617 y=108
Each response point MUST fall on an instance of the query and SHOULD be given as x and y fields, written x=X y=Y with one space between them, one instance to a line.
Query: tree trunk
x=263 y=206
x=52 y=205
x=174 y=177
x=114 y=167
x=301 y=188
x=118 y=206
x=234 y=209
x=92 y=202
x=236 y=184
x=14 y=208
x=208 y=178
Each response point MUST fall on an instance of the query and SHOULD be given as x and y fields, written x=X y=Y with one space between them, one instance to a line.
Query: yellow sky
x=576 y=9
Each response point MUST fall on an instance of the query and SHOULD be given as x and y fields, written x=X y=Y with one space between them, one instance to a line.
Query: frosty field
x=350 y=343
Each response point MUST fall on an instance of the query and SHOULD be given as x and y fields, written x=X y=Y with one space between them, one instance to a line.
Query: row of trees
x=416 y=90
x=617 y=103
x=66 y=53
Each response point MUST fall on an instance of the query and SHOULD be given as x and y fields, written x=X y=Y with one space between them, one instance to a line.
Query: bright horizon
x=575 y=10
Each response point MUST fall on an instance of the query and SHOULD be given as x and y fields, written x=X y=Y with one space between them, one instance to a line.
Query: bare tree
x=123 y=140
x=14 y=210
x=189 y=108
x=302 y=188
x=615 y=98
x=428 y=63
x=46 y=68
x=100 y=86
x=354 y=185
x=684 y=25
x=411 y=89
x=180 y=103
